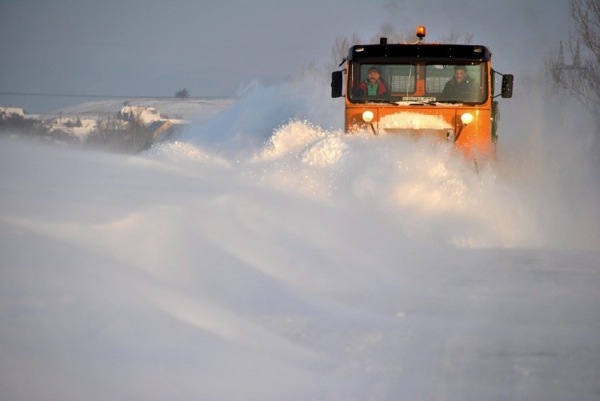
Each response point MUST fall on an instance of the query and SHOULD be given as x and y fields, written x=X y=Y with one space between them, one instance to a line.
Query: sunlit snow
x=263 y=254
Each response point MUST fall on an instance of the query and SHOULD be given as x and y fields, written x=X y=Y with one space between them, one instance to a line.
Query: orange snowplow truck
x=445 y=91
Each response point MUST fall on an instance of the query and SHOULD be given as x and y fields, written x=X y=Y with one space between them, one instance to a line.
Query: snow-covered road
x=256 y=259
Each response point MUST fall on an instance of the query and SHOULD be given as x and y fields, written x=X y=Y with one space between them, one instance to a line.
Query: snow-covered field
x=264 y=255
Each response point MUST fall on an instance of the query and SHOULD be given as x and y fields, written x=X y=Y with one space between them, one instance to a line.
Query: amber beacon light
x=421 y=31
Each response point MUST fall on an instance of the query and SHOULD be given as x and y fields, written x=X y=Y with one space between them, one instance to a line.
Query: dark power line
x=72 y=95
x=39 y=94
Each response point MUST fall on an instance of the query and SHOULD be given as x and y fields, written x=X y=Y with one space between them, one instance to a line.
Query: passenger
x=373 y=85
x=460 y=87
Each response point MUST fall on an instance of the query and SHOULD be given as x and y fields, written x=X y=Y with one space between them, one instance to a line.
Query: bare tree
x=410 y=36
x=577 y=71
x=388 y=31
x=454 y=37
x=339 y=50
x=182 y=94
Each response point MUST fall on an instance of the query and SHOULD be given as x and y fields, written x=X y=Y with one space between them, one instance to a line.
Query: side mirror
x=337 y=78
x=507 y=85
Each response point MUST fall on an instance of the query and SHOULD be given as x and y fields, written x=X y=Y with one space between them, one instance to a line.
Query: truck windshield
x=423 y=82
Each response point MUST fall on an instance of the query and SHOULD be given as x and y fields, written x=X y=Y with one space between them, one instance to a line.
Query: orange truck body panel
x=474 y=140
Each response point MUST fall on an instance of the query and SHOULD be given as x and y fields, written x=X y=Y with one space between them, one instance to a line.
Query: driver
x=460 y=87
x=373 y=85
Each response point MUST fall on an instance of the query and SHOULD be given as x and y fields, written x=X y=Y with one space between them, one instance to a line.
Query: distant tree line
x=113 y=134
x=109 y=134
x=16 y=123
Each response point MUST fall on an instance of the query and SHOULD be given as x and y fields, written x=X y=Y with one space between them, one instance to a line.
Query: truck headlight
x=368 y=116
x=466 y=118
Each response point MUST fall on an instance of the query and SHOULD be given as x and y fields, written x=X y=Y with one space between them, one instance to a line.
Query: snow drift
x=264 y=255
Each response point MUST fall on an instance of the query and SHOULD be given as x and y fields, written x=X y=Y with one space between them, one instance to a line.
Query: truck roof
x=427 y=51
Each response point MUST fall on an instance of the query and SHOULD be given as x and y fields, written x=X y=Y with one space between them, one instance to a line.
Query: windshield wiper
x=423 y=103
x=451 y=101
x=383 y=101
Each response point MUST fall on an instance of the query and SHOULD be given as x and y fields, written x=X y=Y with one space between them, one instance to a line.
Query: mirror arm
x=504 y=76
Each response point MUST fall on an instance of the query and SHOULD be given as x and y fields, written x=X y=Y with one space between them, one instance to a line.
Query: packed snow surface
x=263 y=254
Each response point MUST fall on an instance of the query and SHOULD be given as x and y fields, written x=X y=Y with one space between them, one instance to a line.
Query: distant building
x=148 y=116
x=7 y=112
x=145 y=115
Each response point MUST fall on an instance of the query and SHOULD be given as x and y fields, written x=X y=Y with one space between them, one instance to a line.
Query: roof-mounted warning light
x=421 y=32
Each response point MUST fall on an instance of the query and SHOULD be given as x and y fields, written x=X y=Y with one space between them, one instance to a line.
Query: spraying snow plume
x=290 y=136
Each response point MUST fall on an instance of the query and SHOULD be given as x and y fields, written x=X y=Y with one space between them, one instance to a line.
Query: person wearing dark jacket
x=460 y=87
x=373 y=85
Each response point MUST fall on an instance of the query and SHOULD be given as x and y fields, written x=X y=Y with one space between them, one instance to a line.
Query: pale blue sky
x=154 y=47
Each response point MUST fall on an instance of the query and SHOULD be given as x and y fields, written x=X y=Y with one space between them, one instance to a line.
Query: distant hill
x=124 y=126
x=174 y=109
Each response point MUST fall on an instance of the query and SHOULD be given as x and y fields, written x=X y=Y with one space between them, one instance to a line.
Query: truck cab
x=445 y=91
